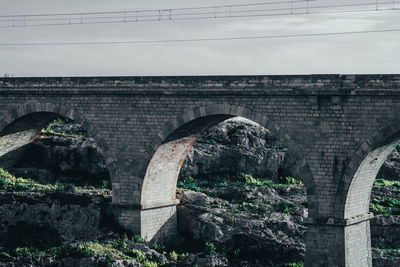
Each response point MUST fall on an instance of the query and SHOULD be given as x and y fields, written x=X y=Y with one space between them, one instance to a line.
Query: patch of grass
x=158 y=247
x=4 y=256
x=90 y=249
x=61 y=121
x=189 y=183
x=385 y=206
x=27 y=251
x=206 y=141
x=384 y=182
x=112 y=249
x=173 y=256
x=137 y=239
x=250 y=180
x=283 y=206
x=288 y=180
x=295 y=264
x=236 y=252
x=210 y=248
x=11 y=183
x=395 y=251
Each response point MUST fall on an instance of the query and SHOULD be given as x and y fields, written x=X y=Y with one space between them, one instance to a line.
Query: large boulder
x=236 y=146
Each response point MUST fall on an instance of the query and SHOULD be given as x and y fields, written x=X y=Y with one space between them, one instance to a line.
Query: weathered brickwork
x=339 y=127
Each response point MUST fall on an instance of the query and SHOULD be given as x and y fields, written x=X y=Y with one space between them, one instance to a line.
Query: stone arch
x=16 y=112
x=170 y=146
x=361 y=170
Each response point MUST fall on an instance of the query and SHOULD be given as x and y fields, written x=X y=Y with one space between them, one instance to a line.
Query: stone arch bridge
x=340 y=128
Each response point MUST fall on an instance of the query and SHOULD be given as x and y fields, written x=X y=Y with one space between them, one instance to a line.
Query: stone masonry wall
x=331 y=121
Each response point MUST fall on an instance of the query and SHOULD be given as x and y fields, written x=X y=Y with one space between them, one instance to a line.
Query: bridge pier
x=339 y=243
x=152 y=222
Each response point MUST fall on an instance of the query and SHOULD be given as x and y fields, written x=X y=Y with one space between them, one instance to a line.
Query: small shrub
x=236 y=252
x=173 y=256
x=210 y=248
x=295 y=264
x=283 y=206
x=138 y=239
x=290 y=180
x=206 y=141
x=25 y=251
x=158 y=247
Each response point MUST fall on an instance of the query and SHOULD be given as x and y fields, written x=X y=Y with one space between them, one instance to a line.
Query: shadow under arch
x=33 y=116
x=171 y=145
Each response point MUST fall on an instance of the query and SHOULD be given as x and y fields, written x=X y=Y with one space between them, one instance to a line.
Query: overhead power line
x=200 y=39
x=296 y=7
x=152 y=10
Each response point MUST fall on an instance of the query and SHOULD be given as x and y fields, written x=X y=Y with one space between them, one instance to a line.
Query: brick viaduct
x=340 y=128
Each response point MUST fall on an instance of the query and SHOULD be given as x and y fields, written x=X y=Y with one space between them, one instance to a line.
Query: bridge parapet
x=274 y=84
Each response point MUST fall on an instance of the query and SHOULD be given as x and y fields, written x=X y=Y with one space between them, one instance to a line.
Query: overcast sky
x=361 y=53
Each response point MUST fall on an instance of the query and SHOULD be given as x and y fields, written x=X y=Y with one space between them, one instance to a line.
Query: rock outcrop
x=48 y=219
x=236 y=146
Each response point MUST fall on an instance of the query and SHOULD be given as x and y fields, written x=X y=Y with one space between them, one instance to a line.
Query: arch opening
x=52 y=148
x=160 y=182
x=56 y=175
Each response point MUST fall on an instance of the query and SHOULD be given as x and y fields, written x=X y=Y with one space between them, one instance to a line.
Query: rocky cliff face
x=48 y=219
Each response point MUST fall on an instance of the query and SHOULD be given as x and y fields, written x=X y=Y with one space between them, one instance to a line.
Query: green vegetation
x=199 y=184
x=10 y=183
x=112 y=249
x=210 y=248
x=236 y=252
x=385 y=206
x=206 y=141
x=4 y=256
x=283 y=206
x=158 y=247
x=288 y=180
x=61 y=121
x=384 y=182
x=295 y=264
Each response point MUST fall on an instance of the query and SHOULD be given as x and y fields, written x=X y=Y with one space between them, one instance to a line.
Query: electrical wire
x=215 y=14
x=152 y=10
x=201 y=39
